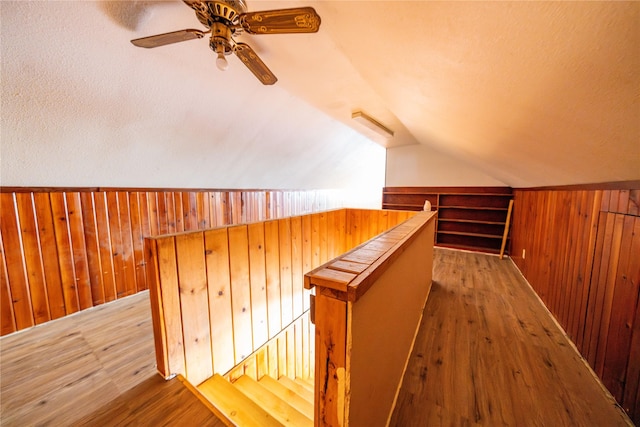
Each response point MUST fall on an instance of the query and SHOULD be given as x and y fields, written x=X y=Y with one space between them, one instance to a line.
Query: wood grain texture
x=220 y=294
x=581 y=256
x=330 y=363
x=69 y=249
x=272 y=359
x=470 y=218
x=95 y=368
x=467 y=285
x=364 y=339
x=488 y=353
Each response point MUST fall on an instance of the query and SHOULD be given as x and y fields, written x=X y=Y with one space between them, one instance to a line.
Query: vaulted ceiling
x=531 y=93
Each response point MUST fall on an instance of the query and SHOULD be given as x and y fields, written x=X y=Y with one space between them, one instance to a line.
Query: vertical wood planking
x=272 y=262
x=202 y=210
x=258 y=279
x=104 y=243
x=137 y=229
x=169 y=291
x=152 y=211
x=220 y=311
x=306 y=343
x=290 y=348
x=286 y=280
x=87 y=246
x=307 y=258
x=632 y=381
x=116 y=243
x=324 y=244
x=65 y=256
x=580 y=259
x=190 y=204
x=366 y=222
x=93 y=249
x=281 y=345
x=592 y=223
x=194 y=303
x=272 y=360
x=162 y=214
x=298 y=294
x=79 y=250
x=240 y=291
x=16 y=269
x=7 y=315
x=609 y=287
x=178 y=207
x=316 y=261
x=626 y=291
x=33 y=258
x=298 y=355
x=50 y=263
x=170 y=221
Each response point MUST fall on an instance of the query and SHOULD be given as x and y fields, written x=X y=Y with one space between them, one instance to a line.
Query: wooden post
x=506 y=228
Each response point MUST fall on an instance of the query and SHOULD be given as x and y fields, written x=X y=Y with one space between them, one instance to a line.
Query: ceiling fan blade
x=281 y=21
x=168 y=38
x=255 y=64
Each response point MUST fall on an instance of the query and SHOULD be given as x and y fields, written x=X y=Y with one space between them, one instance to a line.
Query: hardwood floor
x=96 y=367
x=488 y=353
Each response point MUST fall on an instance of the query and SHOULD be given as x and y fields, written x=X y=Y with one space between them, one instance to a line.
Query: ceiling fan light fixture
x=221 y=62
x=372 y=124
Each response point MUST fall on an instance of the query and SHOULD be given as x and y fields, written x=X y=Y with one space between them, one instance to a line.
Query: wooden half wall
x=218 y=295
x=67 y=249
x=368 y=307
x=580 y=250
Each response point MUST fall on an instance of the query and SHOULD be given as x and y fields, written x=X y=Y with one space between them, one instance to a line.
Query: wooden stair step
x=298 y=388
x=306 y=382
x=279 y=408
x=290 y=396
x=235 y=405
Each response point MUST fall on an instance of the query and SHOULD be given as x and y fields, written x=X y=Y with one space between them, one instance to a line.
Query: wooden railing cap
x=350 y=275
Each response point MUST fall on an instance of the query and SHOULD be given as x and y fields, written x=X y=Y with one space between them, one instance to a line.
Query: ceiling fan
x=228 y=18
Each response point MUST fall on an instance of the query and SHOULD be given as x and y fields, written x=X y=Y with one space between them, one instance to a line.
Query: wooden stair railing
x=218 y=295
x=368 y=307
x=229 y=304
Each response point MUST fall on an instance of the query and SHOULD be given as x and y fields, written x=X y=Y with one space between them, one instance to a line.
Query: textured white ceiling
x=530 y=93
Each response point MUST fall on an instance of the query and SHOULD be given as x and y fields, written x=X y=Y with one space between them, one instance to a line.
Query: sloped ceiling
x=530 y=93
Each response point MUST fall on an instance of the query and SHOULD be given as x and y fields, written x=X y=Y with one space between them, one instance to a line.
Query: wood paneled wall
x=218 y=295
x=290 y=353
x=65 y=250
x=580 y=250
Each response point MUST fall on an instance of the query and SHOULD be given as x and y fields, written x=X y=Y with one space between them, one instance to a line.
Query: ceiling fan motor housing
x=220 y=41
x=223 y=18
x=227 y=12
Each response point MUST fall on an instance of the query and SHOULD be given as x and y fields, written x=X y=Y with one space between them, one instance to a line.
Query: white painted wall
x=421 y=166
x=87 y=109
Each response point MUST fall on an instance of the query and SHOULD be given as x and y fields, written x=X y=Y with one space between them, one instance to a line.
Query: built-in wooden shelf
x=471 y=218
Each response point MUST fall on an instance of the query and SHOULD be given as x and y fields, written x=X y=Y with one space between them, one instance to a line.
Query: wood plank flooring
x=96 y=367
x=487 y=354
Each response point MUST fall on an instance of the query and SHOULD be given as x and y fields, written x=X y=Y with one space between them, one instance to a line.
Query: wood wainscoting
x=580 y=250
x=64 y=250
